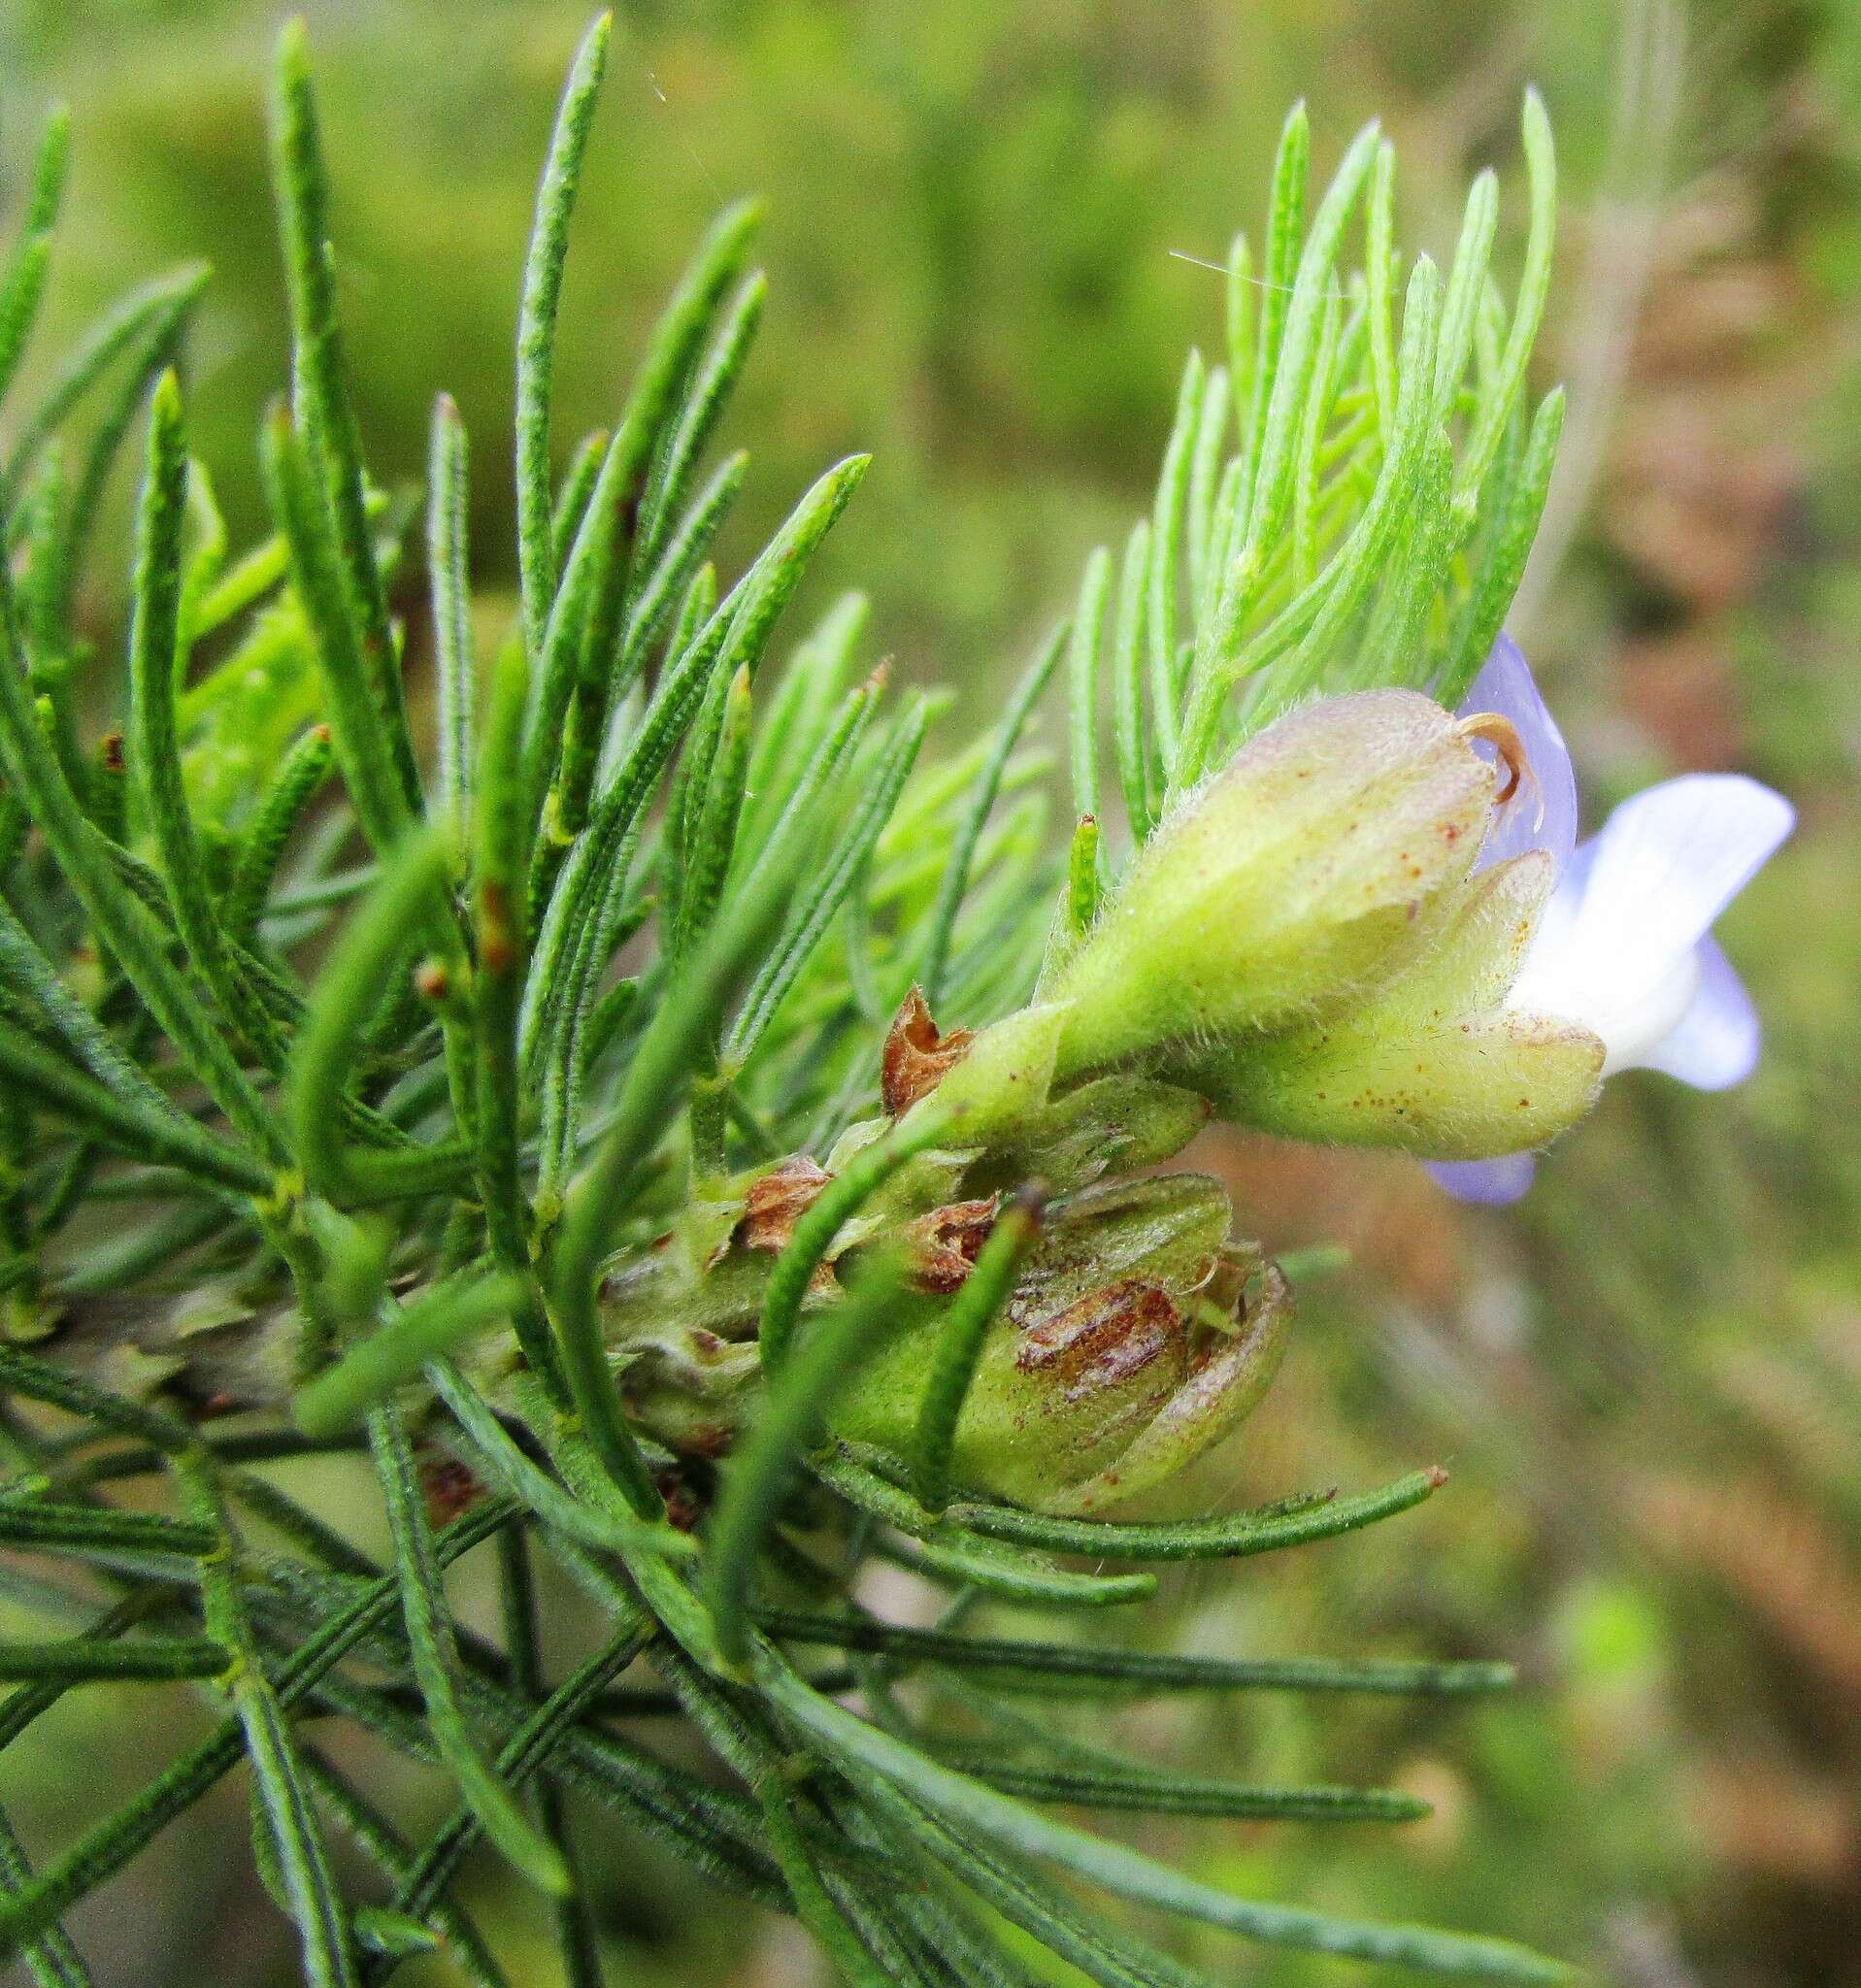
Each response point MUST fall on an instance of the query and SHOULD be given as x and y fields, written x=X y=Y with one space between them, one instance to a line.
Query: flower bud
x=1134 y=1339
x=1434 y=1064
x=1121 y=1122
x=1295 y=879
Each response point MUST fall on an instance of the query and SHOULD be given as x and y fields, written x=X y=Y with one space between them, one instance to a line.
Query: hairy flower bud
x=1134 y=1338
x=1295 y=879
x=1434 y=1064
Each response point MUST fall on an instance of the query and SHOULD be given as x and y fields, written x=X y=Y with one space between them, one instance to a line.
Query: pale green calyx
x=1434 y=1064
x=1306 y=871
x=1305 y=945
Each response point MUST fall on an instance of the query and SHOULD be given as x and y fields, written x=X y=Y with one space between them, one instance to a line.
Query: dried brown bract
x=917 y=1057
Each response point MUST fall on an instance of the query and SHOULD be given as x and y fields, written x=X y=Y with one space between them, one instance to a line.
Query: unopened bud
x=1294 y=880
x=1134 y=1339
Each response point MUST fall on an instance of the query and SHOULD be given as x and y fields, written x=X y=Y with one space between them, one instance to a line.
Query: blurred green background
x=1647 y=1380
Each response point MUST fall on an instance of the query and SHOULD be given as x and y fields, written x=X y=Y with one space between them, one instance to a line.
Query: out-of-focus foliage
x=1649 y=1379
x=994 y=308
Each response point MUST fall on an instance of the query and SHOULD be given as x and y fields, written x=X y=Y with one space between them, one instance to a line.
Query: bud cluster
x=1308 y=945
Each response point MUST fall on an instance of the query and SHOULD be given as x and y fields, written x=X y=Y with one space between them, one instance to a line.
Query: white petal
x=1543 y=814
x=1666 y=864
x=1558 y=976
x=1715 y=1043
x=1495 y=1183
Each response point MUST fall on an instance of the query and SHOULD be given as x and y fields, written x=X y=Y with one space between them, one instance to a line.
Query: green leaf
x=143 y=323
x=447 y=571
x=1030 y=1665
x=294 y=788
x=398 y=912
x=1213 y=1538
x=112 y=1842
x=981 y=800
x=499 y=1457
x=1128 y=1873
x=1146 y=1791
x=536 y=325
x=430 y=1639
x=1534 y=286
x=363 y=736
x=383 y=1843
x=310 y=1884
x=1129 y=742
x=1030 y=1578
x=814 y=910
x=153 y=754
x=434 y=1323
x=324 y=413
x=756 y=1477
x=673 y=1045
x=81 y=1659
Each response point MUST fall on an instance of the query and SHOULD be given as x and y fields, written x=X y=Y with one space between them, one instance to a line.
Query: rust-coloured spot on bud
x=775 y=1201
x=944 y=1244
x=431 y=980
x=110 y=751
x=1103 y=1338
x=916 y=1056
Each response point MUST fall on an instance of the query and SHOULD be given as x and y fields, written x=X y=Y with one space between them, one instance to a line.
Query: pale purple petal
x=1543 y=814
x=1717 y=1040
x=1493 y=1182
x=1666 y=864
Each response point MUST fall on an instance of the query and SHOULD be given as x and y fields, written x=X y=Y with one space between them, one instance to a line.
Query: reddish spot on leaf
x=681 y=1505
x=449 y=1486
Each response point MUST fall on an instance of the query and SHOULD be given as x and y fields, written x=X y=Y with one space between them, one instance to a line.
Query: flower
x=1624 y=946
